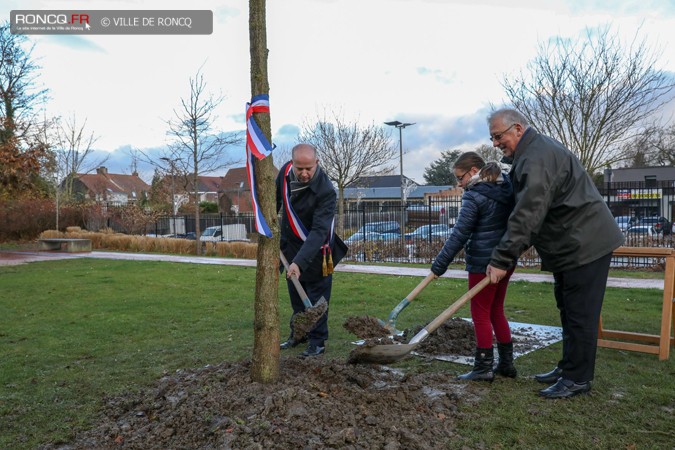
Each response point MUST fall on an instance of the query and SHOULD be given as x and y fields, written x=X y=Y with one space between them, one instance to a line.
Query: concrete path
x=8 y=258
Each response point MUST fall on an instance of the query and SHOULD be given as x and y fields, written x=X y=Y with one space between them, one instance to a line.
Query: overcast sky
x=438 y=63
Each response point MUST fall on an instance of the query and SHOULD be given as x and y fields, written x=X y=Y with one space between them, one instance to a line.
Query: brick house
x=109 y=187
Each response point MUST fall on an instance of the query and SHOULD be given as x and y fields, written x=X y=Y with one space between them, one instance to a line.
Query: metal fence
x=389 y=224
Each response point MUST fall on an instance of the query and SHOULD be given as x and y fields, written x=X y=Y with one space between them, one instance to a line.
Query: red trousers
x=487 y=311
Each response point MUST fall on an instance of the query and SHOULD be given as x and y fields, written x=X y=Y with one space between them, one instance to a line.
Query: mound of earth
x=454 y=337
x=317 y=404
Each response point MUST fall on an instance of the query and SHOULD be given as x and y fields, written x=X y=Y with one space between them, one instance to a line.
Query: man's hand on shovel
x=305 y=321
x=293 y=271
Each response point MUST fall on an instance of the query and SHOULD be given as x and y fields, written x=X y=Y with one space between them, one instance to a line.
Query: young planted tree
x=348 y=151
x=196 y=147
x=265 y=361
x=74 y=152
x=591 y=94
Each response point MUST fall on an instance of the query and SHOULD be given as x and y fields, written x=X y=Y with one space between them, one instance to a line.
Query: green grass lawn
x=75 y=331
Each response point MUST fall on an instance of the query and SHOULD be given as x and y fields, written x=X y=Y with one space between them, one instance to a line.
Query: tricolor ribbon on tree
x=257 y=146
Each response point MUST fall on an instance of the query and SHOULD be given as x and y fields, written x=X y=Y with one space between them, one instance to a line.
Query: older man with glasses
x=560 y=212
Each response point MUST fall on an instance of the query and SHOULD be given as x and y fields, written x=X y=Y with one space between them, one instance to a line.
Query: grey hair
x=510 y=116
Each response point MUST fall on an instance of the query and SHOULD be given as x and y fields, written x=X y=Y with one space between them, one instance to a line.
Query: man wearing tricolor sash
x=307 y=199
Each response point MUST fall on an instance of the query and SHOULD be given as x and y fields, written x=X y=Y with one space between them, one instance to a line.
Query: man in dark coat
x=560 y=212
x=307 y=199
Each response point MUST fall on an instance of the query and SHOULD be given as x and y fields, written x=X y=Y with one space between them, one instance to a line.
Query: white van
x=234 y=232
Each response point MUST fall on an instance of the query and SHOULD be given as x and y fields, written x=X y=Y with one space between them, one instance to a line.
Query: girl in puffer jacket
x=486 y=205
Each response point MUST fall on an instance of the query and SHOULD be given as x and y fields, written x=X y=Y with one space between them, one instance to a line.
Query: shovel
x=389 y=353
x=390 y=324
x=304 y=322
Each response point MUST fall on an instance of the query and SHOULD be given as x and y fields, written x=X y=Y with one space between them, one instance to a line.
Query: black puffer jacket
x=480 y=225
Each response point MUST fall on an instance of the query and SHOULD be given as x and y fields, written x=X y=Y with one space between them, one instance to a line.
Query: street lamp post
x=241 y=186
x=173 y=190
x=608 y=183
x=401 y=126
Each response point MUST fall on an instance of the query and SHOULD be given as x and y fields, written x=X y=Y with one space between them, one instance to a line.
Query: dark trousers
x=579 y=293
x=315 y=290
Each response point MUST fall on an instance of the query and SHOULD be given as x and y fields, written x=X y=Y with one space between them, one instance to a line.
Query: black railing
x=388 y=232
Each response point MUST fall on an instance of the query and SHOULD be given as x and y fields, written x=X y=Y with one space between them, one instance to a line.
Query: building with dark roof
x=109 y=187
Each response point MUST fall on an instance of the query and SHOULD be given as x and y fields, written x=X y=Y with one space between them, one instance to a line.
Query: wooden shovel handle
x=303 y=295
x=429 y=278
x=452 y=309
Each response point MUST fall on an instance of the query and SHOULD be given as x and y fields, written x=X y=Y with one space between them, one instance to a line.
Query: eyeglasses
x=498 y=136
x=461 y=179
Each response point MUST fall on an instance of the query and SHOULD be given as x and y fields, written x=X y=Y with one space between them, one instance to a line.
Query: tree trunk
x=341 y=210
x=265 y=363
x=198 y=242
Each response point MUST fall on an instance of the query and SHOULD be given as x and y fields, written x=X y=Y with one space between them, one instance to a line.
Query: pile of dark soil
x=454 y=337
x=318 y=404
x=303 y=322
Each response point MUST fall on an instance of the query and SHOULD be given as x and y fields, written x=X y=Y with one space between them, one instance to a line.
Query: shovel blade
x=380 y=354
x=305 y=321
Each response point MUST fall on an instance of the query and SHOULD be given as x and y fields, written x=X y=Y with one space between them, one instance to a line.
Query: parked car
x=437 y=231
x=660 y=224
x=389 y=237
x=361 y=237
x=234 y=232
x=625 y=222
x=640 y=231
x=381 y=227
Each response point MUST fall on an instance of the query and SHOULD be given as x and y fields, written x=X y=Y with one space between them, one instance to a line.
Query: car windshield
x=209 y=232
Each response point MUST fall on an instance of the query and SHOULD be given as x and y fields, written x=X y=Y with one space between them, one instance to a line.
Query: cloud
x=75 y=42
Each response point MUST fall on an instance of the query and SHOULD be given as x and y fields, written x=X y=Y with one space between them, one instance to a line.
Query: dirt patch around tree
x=317 y=404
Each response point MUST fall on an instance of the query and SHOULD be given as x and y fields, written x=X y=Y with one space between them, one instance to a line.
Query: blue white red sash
x=257 y=146
x=299 y=229
x=296 y=224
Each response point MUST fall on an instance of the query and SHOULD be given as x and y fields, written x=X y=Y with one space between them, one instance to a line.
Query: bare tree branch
x=591 y=94
x=348 y=151
x=196 y=147
x=73 y=150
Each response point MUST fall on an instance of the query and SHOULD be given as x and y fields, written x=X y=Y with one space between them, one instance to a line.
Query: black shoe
x=290 y=343
x=565 y=388
x=313 y=350
x=482 y=366
x=550 y=377
x=505 y=366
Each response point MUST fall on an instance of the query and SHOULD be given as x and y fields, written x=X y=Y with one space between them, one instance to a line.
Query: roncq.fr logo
x=51 y=19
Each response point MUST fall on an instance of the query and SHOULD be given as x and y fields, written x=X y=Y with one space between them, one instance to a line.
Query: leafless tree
x=73 y=148
x=591 y=94
x=348 y=151
x=653 y=146
x=489 y=153
x=196 y=148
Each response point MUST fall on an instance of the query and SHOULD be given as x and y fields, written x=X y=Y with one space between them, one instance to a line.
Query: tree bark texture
x=265 y=363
